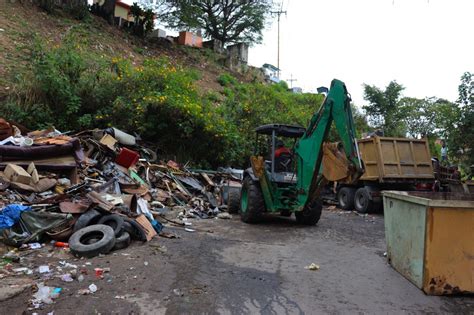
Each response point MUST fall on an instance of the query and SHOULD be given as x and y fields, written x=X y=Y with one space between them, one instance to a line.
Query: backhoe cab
x=286 y=176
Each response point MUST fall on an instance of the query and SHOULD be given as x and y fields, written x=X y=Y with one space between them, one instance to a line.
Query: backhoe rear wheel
x=252 y=204
x=311 y=213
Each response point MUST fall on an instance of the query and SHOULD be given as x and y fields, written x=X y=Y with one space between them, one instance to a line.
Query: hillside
x=73 y=75
x=20 y=23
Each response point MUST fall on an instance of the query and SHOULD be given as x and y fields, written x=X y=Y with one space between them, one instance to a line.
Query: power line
x=291 y=80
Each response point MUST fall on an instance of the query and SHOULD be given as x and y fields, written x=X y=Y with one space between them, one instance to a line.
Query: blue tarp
x=11 y=215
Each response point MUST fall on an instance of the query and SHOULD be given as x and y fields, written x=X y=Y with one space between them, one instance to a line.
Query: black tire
x=78 y=242
x=87 y=218
x=285 y=213
x=311 y=213
x=127 y=227
x=137 y=232
x=114 y=221
x=252 y=204
x=362 y=201
x=122 y=241
x=233 y=201
x=345 y=198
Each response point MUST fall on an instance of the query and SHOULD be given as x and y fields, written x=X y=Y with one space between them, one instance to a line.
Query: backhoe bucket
x=335 y=164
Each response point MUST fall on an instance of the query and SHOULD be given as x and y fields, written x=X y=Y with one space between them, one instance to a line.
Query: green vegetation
x=73 y=88
x=227 y=21
x=430 y=117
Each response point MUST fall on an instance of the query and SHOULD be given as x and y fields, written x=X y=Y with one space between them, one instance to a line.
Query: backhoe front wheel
x=251 y=201
x=311 y=213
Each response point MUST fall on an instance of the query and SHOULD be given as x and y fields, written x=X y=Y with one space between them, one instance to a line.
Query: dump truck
x=390 y=164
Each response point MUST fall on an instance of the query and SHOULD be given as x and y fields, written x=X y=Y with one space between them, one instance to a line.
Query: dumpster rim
x=404 y=196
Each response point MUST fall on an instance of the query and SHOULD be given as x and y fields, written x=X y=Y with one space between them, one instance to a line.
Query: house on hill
x=271 y=73
x=122 y=15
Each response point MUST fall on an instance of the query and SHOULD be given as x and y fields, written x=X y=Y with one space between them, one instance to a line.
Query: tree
x=143 y=20
x=465 y=140
x=106 y=10
x=225 y=20
x=360 y=122
x=432 y=118
x=383 y=110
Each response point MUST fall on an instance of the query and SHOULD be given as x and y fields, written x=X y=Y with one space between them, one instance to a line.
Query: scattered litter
x=224 y=215
x=43 y=269
x=189 y=230
x=146 y=263
x=34 y=245
x=312 y=267
x=67 y=278
x=45 y=295
x=65 y=264
x=83 y=291
x=23 y=270
x=93 y=288
x=178 y=292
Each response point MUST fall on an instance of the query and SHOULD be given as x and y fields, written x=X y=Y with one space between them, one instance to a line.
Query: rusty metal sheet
x=79 y=206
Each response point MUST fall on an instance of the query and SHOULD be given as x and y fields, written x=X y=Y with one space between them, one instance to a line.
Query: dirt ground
x=228 y=267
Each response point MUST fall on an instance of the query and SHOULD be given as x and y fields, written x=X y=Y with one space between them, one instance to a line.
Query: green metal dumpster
x=430 y=239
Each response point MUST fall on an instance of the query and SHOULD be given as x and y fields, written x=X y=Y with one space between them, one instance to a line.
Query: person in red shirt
x=281 y=149
x=282 y=157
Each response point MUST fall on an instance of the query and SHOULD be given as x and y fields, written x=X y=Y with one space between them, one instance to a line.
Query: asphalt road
x=248 y=269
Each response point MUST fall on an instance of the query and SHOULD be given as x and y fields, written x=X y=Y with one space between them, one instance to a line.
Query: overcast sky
x=424 y=45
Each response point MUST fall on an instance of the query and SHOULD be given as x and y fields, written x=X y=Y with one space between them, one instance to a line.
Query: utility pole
x=291 y=80
x=278 y=13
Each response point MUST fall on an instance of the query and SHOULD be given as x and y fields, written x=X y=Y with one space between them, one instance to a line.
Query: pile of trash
x=98 y=190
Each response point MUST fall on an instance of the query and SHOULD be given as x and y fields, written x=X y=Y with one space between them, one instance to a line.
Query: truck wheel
x=362 y=202
x=233 y=201
x=251 y=201
x=345 y=198
x=310 y=214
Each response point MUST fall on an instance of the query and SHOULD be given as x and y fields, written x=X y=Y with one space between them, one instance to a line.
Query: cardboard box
x=147 y=227
x=33 y=172
x=109 y=141
x=15 y=173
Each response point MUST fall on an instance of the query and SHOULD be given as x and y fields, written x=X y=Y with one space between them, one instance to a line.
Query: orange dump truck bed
x=395 y=159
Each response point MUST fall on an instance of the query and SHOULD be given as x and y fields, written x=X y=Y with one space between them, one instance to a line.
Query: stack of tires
x=95 y=233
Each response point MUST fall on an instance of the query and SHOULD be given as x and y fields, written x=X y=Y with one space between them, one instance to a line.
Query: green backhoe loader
x=290 y=181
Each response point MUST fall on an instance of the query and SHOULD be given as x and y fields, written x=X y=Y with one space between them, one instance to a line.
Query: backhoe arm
x=309 y=149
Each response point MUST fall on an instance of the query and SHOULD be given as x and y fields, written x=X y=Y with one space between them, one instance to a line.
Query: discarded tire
x=114 y=221
x=78 y=242
x=137 y=232
x=122 y=241
x=87 y=218
x=127 y=227
x=233 y=200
